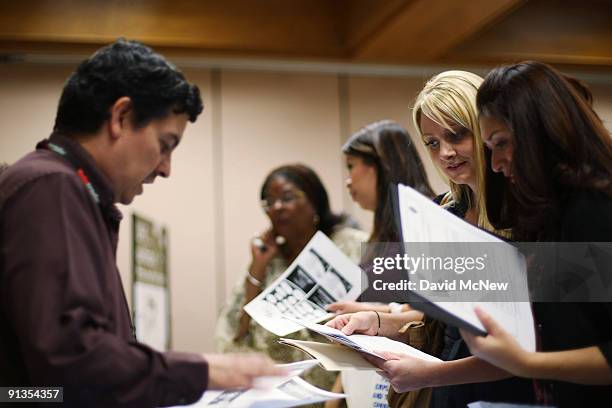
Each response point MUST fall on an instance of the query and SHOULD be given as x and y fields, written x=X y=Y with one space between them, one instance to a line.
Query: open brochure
x=344 y=353
x=320 y=275
x=422 y=221
x=292 y=393
x=271 y=392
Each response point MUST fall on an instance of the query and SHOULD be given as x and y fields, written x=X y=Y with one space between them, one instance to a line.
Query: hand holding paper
x=360 y=322
x=284 y=391
x=355 y=348
x=499 y=347
x=405 y=372
x=229 y=371
x=290 y=370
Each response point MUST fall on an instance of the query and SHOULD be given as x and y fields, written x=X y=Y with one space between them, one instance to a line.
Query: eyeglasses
x=288 y=197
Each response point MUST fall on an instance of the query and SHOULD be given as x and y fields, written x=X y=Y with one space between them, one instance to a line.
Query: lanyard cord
x=79 y=169
x=94 y=194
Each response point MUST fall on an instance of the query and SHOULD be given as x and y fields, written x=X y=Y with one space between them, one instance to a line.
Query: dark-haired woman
x=556 y=159
x=378 y=156
x=297 y=204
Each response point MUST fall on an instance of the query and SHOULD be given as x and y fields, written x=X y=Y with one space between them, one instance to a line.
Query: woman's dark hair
x=124 y=68
x=305 y=179
x=560 y=145
x=387 y=146
x=581 y=88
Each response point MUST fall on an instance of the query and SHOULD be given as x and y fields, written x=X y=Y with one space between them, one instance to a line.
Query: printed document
x=423 y=221
x=320 y=275
x=271 y=392
x=344 y=352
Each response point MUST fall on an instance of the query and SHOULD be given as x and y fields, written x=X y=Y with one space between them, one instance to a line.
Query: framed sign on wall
x=150 y=283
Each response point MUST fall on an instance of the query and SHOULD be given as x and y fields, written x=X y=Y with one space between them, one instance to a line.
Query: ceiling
x=400 y=32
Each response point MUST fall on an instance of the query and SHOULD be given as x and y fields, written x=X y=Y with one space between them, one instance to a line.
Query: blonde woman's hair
x=450 y=98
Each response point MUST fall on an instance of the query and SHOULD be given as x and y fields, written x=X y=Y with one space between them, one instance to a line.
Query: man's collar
x=81 y=159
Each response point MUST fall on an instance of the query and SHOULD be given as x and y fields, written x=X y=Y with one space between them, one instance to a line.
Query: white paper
x=291 y=393
x=365 y=389
x=482 y=404
x=151 y=317
x=332 y=356
x=424 y=221
x=371 y=345
x=293 y=370
x=320 y=275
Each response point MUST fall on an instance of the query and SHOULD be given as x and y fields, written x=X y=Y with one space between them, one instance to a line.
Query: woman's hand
x=356 y=323
x=261 y=258
x=498 y=347
x=405 y=373
x=369 y=323
x=352 y=307
x=259 y=265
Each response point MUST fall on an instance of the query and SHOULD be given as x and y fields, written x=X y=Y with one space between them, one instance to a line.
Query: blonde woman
x=446 y=120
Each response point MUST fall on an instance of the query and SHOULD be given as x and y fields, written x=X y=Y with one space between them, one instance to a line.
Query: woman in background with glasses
x=297 y=204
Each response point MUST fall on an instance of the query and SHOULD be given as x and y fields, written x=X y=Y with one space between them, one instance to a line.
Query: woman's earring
x=316 y=219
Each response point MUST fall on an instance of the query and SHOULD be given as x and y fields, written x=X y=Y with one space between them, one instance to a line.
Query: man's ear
x=120 y=116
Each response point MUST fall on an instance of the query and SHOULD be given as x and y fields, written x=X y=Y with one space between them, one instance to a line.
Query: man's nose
x=164 y=167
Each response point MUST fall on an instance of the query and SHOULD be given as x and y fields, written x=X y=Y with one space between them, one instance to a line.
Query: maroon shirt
x=64 y=319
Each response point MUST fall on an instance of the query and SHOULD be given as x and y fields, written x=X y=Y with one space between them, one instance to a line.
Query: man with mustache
x=64 y=319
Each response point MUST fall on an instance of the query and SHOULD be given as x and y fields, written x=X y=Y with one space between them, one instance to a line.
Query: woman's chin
x=364 y=206
x=370 y=208
x=461 y=179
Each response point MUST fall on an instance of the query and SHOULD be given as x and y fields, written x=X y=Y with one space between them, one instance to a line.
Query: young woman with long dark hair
x=556 y=156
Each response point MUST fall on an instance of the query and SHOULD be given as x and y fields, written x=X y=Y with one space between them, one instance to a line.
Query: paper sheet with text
x=423 y=221
x=320 y=275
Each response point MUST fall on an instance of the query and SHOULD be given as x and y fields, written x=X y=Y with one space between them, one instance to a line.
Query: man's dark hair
x=124 y=68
